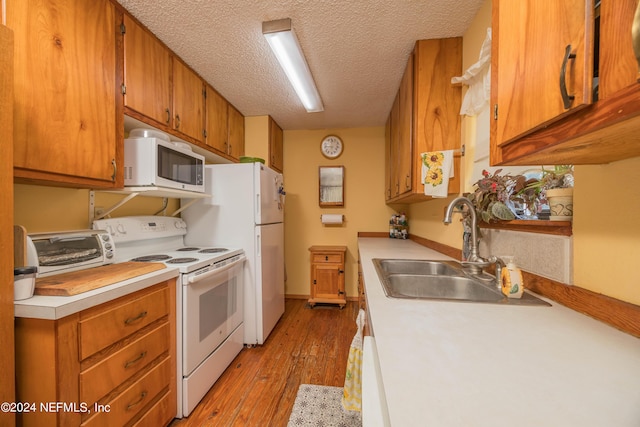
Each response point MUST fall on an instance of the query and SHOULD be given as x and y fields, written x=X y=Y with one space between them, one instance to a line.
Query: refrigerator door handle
x=258 y=205
x=258 y=246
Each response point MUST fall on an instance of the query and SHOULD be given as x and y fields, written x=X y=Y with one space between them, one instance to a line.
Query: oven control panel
x=134 y=228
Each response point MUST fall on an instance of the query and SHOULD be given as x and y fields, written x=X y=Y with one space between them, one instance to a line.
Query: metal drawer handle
x=137 y=402
x=115 y=170
x=136 y=360
x=134 y=319
x=567 y=99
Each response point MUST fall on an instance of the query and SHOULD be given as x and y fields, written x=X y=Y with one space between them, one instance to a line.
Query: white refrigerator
x=246 y=210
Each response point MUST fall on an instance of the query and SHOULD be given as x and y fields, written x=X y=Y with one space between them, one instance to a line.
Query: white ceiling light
x=285 y=45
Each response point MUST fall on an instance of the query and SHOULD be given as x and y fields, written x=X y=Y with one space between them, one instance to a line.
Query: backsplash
x=542 y=254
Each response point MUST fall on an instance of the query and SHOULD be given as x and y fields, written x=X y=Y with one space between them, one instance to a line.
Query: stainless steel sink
x=442 y=280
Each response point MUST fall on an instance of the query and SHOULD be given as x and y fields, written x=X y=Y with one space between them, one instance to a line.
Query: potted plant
x=501 y=197
x=556 y=188
x=508 y=197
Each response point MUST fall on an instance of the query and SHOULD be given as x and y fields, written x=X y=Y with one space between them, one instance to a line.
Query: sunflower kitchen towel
x=437 y=169
x=352 y=394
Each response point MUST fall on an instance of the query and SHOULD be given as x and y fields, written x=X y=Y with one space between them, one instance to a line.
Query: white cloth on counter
x=478 y=78
x=437 y=169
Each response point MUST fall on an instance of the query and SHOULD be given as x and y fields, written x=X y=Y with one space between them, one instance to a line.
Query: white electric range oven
x=209 y=297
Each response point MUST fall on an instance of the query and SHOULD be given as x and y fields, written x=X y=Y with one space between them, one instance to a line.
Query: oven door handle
x=195 y=279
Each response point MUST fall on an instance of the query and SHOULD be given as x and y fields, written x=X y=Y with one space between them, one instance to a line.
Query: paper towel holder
x=332 y=220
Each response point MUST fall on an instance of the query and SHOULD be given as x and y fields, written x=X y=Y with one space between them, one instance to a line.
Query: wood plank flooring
x=307 y=346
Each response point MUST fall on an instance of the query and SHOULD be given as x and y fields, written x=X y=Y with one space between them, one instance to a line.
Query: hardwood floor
x=307 y=346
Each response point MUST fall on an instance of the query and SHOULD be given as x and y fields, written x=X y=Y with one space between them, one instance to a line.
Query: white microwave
x=152 y=161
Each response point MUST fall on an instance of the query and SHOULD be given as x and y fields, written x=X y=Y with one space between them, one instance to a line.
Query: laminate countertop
x=57 y=307
x=470 y=364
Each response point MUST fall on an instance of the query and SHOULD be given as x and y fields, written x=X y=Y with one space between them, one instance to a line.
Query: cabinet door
x=65 y=91
x=188 y=101
x=327 y=281
x=216 y=120
x=276 y=155
x=405 y=137
x=148 y=93
x=394 y=148
x=618 y=66
x=387 y=152
x=531 y=40
x=236 y=133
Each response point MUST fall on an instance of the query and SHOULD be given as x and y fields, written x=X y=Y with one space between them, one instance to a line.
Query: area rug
x=321 y=405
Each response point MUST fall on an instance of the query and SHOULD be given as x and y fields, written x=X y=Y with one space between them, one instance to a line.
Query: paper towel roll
x=331 y=218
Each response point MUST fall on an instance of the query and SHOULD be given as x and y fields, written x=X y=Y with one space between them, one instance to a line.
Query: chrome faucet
x=475 y=263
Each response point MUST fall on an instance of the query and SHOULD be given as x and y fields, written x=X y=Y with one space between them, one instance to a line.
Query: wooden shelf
x=560 y=228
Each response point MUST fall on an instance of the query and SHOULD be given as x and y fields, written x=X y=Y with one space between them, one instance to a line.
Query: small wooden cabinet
x=224 y=125
x=188 y=101
x=327 y=275
x=113 y=364
x=425 y=116
x=144 y=92
x=236 y=133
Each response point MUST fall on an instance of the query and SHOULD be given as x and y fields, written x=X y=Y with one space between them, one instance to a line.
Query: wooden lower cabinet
x=109 y=365
x=327 y=275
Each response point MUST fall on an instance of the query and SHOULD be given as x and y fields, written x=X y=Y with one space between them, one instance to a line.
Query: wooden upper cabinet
x=216 y=118
x=188 y=101
x=66 y=119
x=531 y=61
x=531 y=125
x=276 y=148
x=236 y=133
x=148 y=93
x=425 y=117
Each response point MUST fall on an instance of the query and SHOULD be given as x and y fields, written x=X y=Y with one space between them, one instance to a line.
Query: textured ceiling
x=356 y=50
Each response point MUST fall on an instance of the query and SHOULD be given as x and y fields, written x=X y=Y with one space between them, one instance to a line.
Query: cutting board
x=77 y=282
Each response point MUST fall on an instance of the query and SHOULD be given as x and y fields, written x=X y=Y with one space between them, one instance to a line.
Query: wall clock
x=331 y=146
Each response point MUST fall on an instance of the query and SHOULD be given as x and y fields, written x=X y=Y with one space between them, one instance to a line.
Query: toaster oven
x=61 y=252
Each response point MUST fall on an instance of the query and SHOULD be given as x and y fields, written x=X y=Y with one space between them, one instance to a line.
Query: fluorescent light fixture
x=285 y=45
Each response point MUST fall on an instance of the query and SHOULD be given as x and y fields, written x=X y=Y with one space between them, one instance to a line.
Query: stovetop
x=159 y=239
x=188 y=259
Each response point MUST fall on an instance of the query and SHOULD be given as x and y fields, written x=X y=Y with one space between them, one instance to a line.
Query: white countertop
x=57 y=307
x=466 y=364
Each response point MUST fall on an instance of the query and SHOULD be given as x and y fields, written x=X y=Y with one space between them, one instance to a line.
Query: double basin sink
x=442 y=280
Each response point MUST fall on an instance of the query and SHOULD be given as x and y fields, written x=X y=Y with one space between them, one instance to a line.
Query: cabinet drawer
x=159 y=414
x=108 y=374
x=131 y=401
x=327 y=258
x=101 y=328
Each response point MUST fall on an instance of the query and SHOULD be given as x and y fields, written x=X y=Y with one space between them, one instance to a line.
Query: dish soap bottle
x=511 y=278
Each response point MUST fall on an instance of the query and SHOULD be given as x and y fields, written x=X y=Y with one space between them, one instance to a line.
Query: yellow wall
x=364 y=209
x=606 y=231
x=256 y=137
x=40 y=208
